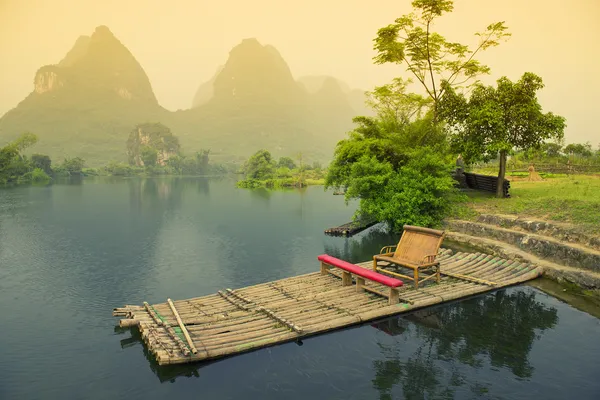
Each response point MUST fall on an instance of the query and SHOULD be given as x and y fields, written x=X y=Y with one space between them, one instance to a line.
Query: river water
x=70 y=252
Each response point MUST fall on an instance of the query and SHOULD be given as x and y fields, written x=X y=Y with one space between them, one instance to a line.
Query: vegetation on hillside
x=262 y=170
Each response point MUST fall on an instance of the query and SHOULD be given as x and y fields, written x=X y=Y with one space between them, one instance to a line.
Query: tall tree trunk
x=501 y=174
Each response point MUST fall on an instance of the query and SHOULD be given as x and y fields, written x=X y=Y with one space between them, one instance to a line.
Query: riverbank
x=573 y=200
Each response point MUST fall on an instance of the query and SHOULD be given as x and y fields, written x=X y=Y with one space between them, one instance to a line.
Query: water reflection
x=361 y=247
x=498 y=328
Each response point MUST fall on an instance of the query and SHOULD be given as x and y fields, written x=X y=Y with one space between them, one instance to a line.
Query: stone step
x=544 y=247
x=582 y=277
x=555 y=230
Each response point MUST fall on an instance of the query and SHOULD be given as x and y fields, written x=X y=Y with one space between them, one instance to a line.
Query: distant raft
x=350 y=228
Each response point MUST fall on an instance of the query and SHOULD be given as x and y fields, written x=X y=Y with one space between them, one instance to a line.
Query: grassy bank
x=574 y=199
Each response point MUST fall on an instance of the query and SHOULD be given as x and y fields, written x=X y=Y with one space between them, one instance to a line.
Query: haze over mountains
x=87 y=104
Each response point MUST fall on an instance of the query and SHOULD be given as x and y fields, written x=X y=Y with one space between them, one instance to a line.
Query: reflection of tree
x=500 y=327
x=261 y=193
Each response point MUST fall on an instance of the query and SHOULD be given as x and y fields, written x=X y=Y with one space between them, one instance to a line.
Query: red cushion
x=365 y=273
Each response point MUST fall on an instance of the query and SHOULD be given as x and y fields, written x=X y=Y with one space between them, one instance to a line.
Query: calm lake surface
x=70 y=253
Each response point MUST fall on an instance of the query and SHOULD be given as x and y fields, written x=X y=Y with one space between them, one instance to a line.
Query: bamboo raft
x=350 y=228
x=231 y=322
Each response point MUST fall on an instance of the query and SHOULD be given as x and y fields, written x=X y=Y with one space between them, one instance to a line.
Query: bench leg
x=324 y=268
x=394 y=296
x=360 y=283
x=346 y=278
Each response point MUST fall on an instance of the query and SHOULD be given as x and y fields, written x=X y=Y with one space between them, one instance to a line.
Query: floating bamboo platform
x=349 y=229
x=230 y=322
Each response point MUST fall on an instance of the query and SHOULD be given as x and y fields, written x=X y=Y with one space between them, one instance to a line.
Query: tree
x=74 y=165
x=260 y=166
x=42 y=162
x=579 y=149
x=429 y=56
x=393 y=104
x=497 y=120
x=286 y=162
x=551 y=149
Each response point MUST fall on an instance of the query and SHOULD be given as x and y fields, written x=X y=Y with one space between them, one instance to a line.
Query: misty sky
x=180 y=43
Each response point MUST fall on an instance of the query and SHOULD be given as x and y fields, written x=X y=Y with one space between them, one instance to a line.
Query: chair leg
x=438 y=274
x=416 y=275
x=374 y=264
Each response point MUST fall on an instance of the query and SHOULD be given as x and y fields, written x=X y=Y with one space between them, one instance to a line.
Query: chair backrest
x=417 y=242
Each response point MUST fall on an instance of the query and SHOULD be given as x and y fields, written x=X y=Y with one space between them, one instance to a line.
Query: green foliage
x=262 y=171
x=421 y=192
x=259 y=166
x=394 y=105
x=42 y=162
x=115 y=168
x=498 y=120
x=286 y=162
x=38 y=175
x=13 y=165
x=73 y=166
x=149 y=156
x=428 y=55
x=371 y=138
x=579 y=149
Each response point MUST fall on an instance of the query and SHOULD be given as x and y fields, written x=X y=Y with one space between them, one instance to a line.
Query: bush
x=420 y=193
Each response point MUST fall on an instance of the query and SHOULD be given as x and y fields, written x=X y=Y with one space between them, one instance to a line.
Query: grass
x=574 y=199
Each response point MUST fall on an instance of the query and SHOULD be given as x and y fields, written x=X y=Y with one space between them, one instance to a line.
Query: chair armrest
x=429 y=259
x=388 y=249
x=383 y=255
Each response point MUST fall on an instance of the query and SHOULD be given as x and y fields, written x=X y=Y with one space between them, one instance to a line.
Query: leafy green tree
x=497 y=120
x=260 y=166
x=551 y=149
x=286 y=162
x=13 y=164
x=73 y=165
x=579 y=149
x=394 y=105
x=420 y=192
x=42 y=162
x=428 y=55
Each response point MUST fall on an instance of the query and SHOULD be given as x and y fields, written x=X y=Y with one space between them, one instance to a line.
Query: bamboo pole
x=182 y=326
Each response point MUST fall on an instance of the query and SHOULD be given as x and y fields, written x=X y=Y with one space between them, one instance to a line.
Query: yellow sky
x=180 y=43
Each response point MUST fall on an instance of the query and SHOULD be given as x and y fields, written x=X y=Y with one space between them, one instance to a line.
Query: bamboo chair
x=417 y=250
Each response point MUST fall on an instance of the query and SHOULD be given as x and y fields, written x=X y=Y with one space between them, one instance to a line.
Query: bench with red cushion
x=362 y=272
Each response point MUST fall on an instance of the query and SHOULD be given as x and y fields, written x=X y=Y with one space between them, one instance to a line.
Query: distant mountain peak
x=102 y=31
x=255 y=71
